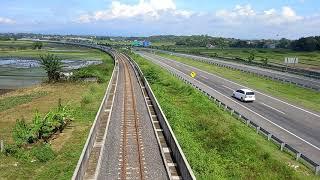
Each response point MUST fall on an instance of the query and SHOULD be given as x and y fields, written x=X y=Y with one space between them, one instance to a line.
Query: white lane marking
x=272 y=108
x=204 y=77
x=228 y=87
x=244 y=87
x=246 y=108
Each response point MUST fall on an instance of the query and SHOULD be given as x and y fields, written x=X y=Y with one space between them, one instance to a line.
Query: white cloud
x=149 y=9
x=4 y=20
x=150 y=17
x=246 y=14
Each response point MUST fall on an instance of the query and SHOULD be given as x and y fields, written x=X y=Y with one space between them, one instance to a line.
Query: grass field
x=286 y=91
x=24 y=49
x=309 y=60
x=84 y=100
x=216 y=145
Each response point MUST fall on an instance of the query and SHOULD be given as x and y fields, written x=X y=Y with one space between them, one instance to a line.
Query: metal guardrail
x=178 y=155
x=260 y=130
x=81 y=165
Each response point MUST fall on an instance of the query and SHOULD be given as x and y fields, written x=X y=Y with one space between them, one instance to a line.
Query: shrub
x=37 y=45
x=17 y=152
x=10 y=149
x=43 y=152
x=251 y=57
x=21 y=132
x=265 y=61
x=41 y=128
x=86 y=99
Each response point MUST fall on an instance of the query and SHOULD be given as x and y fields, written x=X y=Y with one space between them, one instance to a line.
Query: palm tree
x=53 y=65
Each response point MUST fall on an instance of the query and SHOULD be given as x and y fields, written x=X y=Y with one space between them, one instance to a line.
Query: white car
x=245 y=95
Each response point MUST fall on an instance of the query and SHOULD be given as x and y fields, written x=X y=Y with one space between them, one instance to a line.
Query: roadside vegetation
x=307 y=98
x=216 y=145
x=44 y=127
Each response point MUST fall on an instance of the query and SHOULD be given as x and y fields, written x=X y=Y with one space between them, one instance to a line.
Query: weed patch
x=9 y=102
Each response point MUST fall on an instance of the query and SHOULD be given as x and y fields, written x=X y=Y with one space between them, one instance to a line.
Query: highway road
x=296 y=126
x=299 y=80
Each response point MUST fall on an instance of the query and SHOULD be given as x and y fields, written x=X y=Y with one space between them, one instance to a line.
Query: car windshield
x=250 y=93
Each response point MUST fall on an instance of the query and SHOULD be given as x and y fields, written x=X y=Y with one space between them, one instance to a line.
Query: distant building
x=272 y=46
x=211 y=46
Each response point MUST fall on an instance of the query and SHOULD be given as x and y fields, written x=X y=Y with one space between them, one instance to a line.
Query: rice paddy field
x=18 y=67
x=9 y=49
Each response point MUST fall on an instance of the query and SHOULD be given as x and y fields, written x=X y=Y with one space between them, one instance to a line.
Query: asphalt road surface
x=296 y=126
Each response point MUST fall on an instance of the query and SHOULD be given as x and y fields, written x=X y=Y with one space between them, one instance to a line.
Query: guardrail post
x=225 y=107
x=317 y=170
x=298 y=156
x=258 y=128
x=269 y=136
x=231 y=112
x=248 y=122
x=219 y=104
x=282 y=146
x=1 y=146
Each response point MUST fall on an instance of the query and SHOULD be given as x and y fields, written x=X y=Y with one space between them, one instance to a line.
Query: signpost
x=291 y=60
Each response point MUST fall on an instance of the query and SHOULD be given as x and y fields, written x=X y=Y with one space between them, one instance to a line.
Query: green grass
x=306 y=59
x=291 y=93
x=9 y=102
x=66 y=146
x=216 y=145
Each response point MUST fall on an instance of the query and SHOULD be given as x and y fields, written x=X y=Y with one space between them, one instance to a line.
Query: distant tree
x=4 y=38
x=305 y=44
x=283 y=43
x=37 y=45
x=53 y=65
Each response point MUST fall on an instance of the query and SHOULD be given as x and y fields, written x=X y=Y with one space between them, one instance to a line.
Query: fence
x=260 y=130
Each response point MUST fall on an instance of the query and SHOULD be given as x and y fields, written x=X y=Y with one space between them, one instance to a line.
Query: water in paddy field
x=17 y=73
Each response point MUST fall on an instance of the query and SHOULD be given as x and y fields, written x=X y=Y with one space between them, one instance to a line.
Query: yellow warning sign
x=193 y=74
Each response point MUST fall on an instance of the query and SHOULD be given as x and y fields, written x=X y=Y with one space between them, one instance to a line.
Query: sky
x=244 y=19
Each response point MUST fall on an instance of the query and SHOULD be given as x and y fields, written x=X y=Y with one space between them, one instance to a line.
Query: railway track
x=132 y=153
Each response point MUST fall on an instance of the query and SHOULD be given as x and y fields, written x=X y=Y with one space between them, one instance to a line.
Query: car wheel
x=242 y=99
